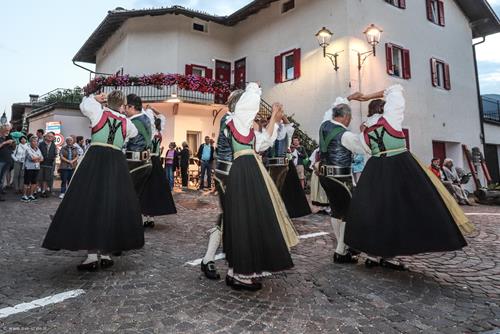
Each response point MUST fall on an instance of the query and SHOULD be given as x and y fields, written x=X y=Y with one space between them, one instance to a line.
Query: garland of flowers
x=188 y=82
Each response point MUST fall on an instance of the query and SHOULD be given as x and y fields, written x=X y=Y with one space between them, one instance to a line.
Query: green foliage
x=74 y=95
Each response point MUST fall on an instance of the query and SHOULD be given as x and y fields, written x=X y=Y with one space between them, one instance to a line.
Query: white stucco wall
x=72 y=122
x=492 y=134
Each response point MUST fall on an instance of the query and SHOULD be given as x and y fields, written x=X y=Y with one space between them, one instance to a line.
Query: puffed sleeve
x=263 y=141
x=394 y=106
x=131 y=130
x=91 y=109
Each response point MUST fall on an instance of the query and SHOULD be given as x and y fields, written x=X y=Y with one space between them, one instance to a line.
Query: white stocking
x=91 y=257
x=213 y=244
x=339 y=230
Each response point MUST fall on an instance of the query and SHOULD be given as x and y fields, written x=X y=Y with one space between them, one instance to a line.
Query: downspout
x=479 y=99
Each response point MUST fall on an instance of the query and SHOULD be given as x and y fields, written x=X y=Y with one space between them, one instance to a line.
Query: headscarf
x=246 y=109
x=329 y=113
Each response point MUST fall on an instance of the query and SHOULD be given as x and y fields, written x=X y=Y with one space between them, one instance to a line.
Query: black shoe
x=92 y=266
x=393 y=266
x=347 y=258
x=238 y=285
x=354 y=252
x=119 y=253
x=105 y=263
x=44 y=195
x=210 y=271
x=369 y=263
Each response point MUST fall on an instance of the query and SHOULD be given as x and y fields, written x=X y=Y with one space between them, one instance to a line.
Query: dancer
x=156 y=199
x=222 y=168
x=399 y=207
x=138 y=157
x=100 y=211
x=257 y=231
x=337 y=145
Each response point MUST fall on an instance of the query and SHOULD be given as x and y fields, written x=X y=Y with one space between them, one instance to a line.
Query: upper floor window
x=398 y=61
x=435 y=11
x=202 y=27
x=440 y=73
x=287 y=66
x=397 y=3
x=287 y=6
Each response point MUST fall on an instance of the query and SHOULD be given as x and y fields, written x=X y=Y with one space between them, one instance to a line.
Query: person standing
x=100 y=211
x=6 y=144
x=399 y=207
x=358 y=164
x=79 y=144
x=184 y=164
x=69 y=158
x=32 y=160
x=46 y=175
x=19 y=155
x=206 y=157
x=299 y=160
x=170 y=164
x=40 y=135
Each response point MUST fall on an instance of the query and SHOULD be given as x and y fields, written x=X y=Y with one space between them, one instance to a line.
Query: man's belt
x=277 y=162
x=223 y=167
x=335 y=171
x=137 y=156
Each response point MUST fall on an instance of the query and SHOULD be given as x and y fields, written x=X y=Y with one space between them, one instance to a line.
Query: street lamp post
x=372 y=34
x=324 y=36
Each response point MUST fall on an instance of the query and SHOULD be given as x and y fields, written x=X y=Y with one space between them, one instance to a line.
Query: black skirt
x=156 y=198
x=338 y=191
x=100 y=210
x=293 y=194
x=396 y=210
x=252 y=238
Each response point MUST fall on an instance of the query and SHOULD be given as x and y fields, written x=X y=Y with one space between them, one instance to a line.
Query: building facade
x=425 y=47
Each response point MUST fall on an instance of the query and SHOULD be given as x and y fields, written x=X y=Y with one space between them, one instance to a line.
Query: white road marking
x=23 y=307
x=482 y=214
x=222 y=256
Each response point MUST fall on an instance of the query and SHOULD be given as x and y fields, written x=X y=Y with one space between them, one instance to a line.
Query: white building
x=425 y=46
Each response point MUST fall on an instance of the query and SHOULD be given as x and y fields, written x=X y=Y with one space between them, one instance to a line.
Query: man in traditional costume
x=257 y=232
x=399 y=207
x=222 y=168
x=156 y=199
x=337 y=145
x=137 y=148
x=100 y=211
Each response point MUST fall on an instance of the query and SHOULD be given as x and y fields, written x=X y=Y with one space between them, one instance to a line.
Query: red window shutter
x=429 y=11
x=441 y=12
x=447 y=82
x=189 y=69
x=402 y=4
x=388 y=57
x=296 y=63
x=406 y=64
x=208 y=73
x=278 y=69
x=434 y=72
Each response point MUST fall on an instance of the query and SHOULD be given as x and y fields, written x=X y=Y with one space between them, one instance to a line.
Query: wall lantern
x=372 y=34
x=3 y=119
x=324 y=36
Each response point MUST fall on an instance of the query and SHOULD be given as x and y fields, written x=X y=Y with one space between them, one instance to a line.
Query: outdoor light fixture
x=324 y=36
x=372 y=34
x=173 y=99
x=3 y=119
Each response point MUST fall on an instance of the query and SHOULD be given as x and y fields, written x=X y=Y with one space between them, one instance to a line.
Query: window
x=435 y=11
x=198 y=70
x=397 y=3
x=287 y=6
x=440 y=74
x=203 y=27
x=398 y=61
x=287 y=66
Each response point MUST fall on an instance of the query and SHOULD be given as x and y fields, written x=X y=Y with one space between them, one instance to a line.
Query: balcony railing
x=163 y=93
x=491 y=109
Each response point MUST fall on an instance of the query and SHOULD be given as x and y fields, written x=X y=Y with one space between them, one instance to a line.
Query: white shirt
x=93 y=111
x=79 y=149
x=350 y=140
x=285 y=130
x=263 y=141
x=20 y=152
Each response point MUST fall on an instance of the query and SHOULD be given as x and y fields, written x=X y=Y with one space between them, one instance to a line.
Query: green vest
x=143 y=130
x=380 y=140
x=109 y=131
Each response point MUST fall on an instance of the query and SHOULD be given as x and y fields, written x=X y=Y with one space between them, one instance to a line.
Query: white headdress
x=247 y=108
x=329 y=113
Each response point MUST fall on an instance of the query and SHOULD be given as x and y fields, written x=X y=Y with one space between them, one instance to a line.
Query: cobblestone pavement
x=152 y=290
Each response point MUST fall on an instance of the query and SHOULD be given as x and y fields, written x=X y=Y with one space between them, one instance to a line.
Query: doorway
x=491 y=156
x=439 y=150
x=193 y=139
x=240 y=73
x=222 y=73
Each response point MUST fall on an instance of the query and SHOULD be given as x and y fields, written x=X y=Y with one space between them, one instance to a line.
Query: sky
x=38 y=39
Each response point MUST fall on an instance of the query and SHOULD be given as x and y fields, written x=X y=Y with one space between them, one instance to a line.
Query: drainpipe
x=479 y=99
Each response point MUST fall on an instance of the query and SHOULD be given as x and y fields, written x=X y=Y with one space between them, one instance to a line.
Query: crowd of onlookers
x=28 y=162
x=452 y=178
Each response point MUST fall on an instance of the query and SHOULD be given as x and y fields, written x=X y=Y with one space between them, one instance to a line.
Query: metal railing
x=491 y=109
x=163 y=93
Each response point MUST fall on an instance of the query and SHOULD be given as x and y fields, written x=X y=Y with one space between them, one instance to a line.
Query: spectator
x=49 y=152
x=435 y=167
x=6 y=149
x=453 y=183
x=171 y=158
x=18 y=156
x=31 y=168
x=184 y=164
x=80 y=145
x=206 y=157
x=69 y=157
x=87 y=144
x=299 y=154
x=39 y=135
x=358 y=164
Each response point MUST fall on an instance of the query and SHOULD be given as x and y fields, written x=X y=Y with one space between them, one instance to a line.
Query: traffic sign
x=53 y=127
x=59 y=140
